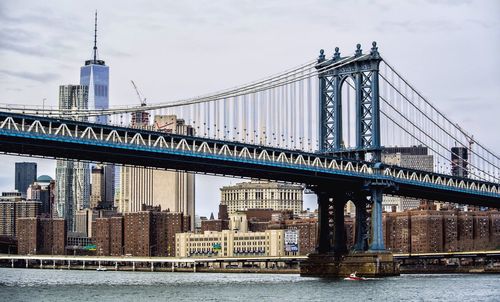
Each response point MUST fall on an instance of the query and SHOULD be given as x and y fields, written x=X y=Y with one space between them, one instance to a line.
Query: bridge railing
x=129 y=138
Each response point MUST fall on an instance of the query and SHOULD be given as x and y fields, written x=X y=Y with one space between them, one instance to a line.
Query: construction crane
x=140 y=118
x=142 y=101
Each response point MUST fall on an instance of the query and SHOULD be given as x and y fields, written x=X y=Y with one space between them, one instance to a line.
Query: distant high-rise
x=25 y=176
x=103 y=178
x=13 y=207
x=172 y=191
x=414 y=157
x=72 y=177
x=459 y=159
x=95 y=75
x=42 y=190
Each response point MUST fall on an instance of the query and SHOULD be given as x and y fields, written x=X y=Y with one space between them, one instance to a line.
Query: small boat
x=353 y=277
x=101 y=269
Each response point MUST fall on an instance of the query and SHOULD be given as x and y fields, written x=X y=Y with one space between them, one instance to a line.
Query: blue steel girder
x=363 y=69
x=365 y=132
x=57 y=138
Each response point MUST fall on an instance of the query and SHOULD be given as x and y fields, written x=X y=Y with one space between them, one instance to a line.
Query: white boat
x=101 y=269
x=354 y=277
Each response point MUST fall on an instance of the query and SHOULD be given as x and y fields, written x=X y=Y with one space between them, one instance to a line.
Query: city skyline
x=208 y=42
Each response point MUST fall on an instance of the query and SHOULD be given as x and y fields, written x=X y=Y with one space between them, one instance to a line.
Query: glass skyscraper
x=25 y=176
x=72 y=177
x=95 y=75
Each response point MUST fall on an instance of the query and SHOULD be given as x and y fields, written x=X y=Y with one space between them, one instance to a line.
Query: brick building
x=426 y=231
x=465 y=231
x=495 y=230
x=215 y=225
x=450 y=231
x=43 y=236
x=308 y=232
x=397 y=231
x=137 y=230
x=152 y=233
x=481 y=231
x=109 y=236
x=13 y=208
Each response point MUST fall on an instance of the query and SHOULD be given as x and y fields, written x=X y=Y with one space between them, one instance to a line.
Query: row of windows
x=101 y=90
x=259 y=194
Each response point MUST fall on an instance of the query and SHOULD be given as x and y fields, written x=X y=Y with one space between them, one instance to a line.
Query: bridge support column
x=323 y=245
x=361 y=243
x=27 y=263
x=339 y=240
x=377 y=233
x=12 y=263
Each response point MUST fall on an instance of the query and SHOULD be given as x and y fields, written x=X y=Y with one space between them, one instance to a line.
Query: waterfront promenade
x=151 y=263
x=450 y=262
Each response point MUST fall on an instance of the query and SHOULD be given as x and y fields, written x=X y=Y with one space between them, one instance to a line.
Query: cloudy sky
x=175 y=49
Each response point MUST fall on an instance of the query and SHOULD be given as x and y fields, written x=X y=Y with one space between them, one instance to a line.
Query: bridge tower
x=332 y=257
x=363 y=69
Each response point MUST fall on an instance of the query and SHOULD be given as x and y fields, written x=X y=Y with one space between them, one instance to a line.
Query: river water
x=64 y=285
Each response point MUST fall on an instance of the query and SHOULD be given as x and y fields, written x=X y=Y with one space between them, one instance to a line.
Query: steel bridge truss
x=411 y=183
x=364 y=74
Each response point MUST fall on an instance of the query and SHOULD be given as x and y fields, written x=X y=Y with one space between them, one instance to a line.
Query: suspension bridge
x=324 y=123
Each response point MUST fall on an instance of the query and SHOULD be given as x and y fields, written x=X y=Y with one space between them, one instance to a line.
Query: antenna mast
x=95 y=38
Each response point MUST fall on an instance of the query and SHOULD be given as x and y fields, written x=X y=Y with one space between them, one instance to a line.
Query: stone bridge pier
x=368 y=256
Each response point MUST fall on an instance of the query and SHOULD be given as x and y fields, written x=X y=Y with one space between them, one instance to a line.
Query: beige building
x=170 y=190
x=238 y=222
x=83 y=222
x=230 y=244
x=262 y=195
x=102 y=192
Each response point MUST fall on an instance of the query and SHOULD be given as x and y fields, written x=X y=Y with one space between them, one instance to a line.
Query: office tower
x=84 y=223
x=414 y=157
x=25 y=176
x=459 y=159
x=95 y=75
x=262 y=195
x=72 y=177
x=43 y=190
x=172 y=191
x=102 y=187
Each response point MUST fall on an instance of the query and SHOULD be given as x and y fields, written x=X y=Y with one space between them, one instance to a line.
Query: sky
x=447 y=49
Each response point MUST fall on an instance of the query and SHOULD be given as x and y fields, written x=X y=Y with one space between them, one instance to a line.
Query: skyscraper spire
x=95 y=38
x=94 y=60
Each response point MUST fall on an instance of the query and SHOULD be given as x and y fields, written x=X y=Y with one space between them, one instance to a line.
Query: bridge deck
x=56 y=138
